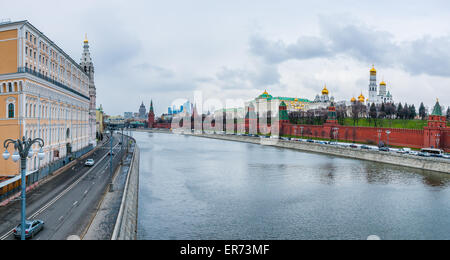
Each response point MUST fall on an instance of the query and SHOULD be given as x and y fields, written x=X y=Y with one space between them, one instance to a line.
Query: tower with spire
x=151 y=116
x=88 y=67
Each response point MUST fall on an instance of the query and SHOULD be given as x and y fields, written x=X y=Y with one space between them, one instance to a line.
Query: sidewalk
x=102 y=226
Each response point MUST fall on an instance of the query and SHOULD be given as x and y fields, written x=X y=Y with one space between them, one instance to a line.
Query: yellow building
x=43 y=93
x=99 y=120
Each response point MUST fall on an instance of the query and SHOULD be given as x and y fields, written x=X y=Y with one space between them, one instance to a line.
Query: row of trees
x=375 y=113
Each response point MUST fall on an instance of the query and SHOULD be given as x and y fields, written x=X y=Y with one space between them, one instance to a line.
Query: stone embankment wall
x=126 y=224
x=431 y=164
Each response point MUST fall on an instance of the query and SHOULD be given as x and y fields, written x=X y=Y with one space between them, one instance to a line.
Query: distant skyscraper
x=142 y=111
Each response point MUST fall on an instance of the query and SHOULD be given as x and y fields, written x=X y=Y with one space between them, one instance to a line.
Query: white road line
x=56 y=198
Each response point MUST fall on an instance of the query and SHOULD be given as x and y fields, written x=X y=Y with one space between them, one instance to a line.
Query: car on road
x=113 y=153
x=354 y=146
x=414 y=153
x=404 y=150
x=31 y=228
x=310 y=141
x=365 y=147
x=89 y=162
x=384 y=149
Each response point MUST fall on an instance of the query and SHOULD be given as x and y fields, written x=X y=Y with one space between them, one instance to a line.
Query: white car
x=89 y=162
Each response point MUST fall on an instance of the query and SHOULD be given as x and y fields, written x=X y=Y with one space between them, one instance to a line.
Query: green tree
x=422 y=111
x=412 y=112
x=399 y=111
x=373 y=113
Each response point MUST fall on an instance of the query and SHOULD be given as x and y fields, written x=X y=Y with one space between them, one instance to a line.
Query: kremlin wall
x=435 y=135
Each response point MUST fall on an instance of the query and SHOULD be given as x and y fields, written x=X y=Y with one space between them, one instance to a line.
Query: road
x=68 y=202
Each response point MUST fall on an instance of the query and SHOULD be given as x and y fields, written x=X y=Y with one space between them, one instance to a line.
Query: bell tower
x=88 y=67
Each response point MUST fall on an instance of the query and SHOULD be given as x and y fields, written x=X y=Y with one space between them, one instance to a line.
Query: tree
x=406 y=112
x=382 y=113
x=422 y=111
x=373 y=113
x=448 y=114
x=412 y=112
x=399 y=111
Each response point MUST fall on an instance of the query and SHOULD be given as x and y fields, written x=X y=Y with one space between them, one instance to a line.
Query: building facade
x=43 y=93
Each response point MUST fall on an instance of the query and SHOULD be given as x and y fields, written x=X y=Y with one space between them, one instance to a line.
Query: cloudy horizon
x=167 y=50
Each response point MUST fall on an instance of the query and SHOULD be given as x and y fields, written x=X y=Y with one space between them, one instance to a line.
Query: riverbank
x=429 y=164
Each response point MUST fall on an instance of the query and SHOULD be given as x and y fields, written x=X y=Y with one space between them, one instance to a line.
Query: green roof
x=437 y=111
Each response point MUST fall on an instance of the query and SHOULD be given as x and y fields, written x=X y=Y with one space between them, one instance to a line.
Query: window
x=11 y=110
x=10 y=87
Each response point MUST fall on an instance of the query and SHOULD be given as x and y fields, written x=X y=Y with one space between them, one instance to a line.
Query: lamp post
x=301 y=128
x=388 y=133
x=23 y=149
x=111 y=160
x=380 y=132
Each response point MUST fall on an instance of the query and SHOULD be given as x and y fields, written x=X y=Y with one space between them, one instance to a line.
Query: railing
x=12 y=186
x=55 y=82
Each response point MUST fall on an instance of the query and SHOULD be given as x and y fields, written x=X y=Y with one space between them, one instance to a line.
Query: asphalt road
x=68 y=202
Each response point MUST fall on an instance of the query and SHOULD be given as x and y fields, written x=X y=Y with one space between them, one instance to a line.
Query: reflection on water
x=197 y=188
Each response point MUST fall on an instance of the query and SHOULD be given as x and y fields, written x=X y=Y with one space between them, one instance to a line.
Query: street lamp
x=23 y=149
x=380 y=132
x=388 y=133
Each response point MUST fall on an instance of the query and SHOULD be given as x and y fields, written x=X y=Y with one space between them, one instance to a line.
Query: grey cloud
x=427 y=55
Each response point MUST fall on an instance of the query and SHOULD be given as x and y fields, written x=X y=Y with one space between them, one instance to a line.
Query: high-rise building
x=43 y=93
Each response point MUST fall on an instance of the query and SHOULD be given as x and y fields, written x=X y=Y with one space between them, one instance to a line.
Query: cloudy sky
x=231 y=49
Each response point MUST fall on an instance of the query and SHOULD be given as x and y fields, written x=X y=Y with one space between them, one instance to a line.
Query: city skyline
x=288 y=48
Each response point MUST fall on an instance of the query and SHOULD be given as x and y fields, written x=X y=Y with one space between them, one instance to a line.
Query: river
x=194 y=188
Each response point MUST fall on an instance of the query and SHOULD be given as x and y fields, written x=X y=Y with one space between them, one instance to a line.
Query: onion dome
x=362 y=98
x=437 y=110
x=383 y=83
x=373 y=71
x=325 y=91
x=353 y=100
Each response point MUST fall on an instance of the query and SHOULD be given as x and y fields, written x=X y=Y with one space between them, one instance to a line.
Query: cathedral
x=375 y=96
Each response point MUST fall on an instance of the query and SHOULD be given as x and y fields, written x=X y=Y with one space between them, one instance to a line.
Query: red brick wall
x=397 y=137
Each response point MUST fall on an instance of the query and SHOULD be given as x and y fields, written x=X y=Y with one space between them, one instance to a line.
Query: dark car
x=383 y=149
x=353 y=146
x=310 y=141
x=365 y=147
x=31 y=228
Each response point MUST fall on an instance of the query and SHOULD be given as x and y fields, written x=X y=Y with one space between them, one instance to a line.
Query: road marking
x=75 y=203
x=56 y=198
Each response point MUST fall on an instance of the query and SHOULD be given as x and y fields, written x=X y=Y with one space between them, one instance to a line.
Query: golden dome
x=383 y=83
x=373 y=70
x=362 y=98
x=86 y=39
x=353 y=99
x=265 y=93
x=325 y=90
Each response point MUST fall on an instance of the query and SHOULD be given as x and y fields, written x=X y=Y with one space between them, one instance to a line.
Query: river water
x=197 y=188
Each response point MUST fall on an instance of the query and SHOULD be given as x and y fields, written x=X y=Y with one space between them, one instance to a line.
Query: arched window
x=11 y=110
x=10 y=87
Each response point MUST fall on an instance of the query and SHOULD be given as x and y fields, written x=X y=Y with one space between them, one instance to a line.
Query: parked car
x=446 y=156
x=424 y=154
x=310 y=141
x=89 y=162
x=414 y=153
x=404 y=150
x=384 y=149
x=365 y=147
x=353 y=146
x=31 y=228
